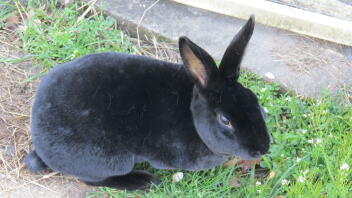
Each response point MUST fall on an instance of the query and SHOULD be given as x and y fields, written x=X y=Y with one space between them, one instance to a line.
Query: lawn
x=311 y=153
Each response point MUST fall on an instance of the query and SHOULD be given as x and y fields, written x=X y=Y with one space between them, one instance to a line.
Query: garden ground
x=310 y=157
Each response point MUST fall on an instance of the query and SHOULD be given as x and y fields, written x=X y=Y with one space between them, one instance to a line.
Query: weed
x=56 y=35
x=311 y=153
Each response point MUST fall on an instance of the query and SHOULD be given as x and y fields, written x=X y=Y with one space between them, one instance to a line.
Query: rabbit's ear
x=230 y=63
x=197 y=61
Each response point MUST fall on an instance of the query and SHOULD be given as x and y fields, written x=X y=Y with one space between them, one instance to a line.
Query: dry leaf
x=177 y=177
x=247 y=164
x=271 y=174
x=234 y=182
x=230 y=163
x=13 y=20
x=30 y=14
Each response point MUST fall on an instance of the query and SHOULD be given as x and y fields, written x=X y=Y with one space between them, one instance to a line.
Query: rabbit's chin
x=247 y=156
x=241 y=154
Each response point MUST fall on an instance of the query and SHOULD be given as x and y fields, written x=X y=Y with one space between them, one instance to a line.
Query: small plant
x=311 y=155
x=6 y=11
x=56 y=34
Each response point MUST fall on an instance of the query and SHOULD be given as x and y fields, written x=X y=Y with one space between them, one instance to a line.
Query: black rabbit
x=99 y=115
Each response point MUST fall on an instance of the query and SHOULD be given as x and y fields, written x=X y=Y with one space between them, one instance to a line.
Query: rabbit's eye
x=225 y=120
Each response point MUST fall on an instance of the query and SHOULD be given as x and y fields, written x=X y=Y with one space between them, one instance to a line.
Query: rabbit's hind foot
x=34 y=163
x=134 y=180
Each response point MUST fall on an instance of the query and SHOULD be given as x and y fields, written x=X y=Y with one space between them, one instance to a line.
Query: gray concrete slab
x=302 y=64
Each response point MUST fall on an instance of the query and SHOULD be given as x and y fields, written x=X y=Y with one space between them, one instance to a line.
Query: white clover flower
x=344 y=166
x=258 y=183
x=288 y=99
x=311 y=141
x=305 y=172
x=285 y=182
x=301 y=179
x=315 y=141
x=303 y=131
x=298 y=159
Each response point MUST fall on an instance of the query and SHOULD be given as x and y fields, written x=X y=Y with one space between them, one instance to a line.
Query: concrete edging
x=281 y=16
x=297 y=62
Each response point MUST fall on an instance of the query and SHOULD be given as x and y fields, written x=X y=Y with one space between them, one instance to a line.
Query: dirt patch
x=316 y=62
x=16 y=98
x=306 y=55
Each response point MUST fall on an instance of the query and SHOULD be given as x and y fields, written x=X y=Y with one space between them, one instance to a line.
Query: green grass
x=54 y=34
x=5 y=12
x=312 y=141
x=312 y=138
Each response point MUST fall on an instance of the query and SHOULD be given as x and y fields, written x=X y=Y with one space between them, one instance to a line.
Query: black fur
x=230 y=63
x=132 y=181
x=34 y=163
x=97 y=116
